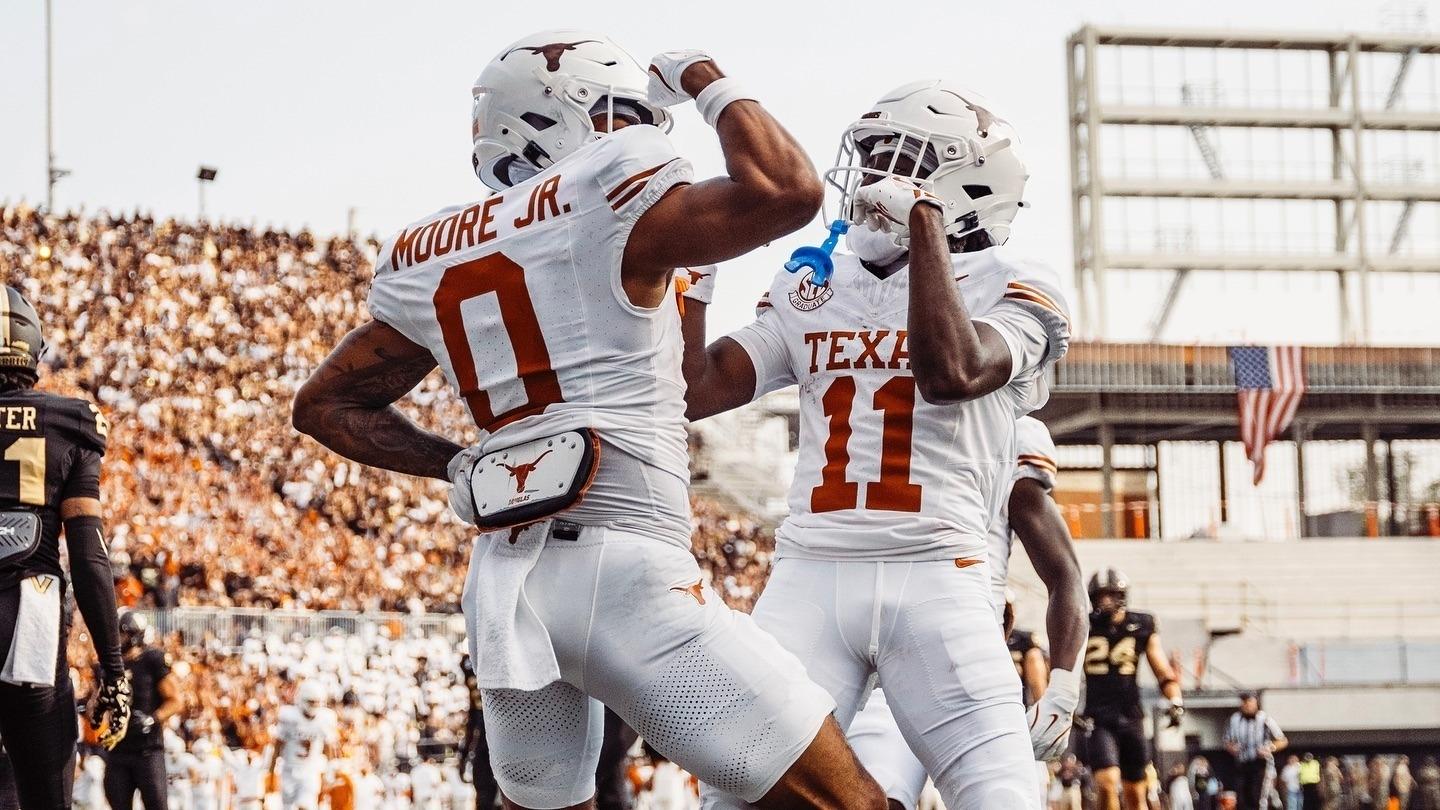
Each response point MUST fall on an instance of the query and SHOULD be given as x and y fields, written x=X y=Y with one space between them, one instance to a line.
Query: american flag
x=1269 y=381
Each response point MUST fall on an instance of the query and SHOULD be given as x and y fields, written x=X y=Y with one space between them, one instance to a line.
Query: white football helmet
x=958 y=149
x=310 y=698
x=534 y=102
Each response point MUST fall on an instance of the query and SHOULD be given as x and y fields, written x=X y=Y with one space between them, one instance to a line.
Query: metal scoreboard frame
x=1359 y=85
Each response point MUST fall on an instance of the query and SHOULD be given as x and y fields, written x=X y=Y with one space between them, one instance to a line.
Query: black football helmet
x=1109 y=580
x=134 y=629
x=21 y=340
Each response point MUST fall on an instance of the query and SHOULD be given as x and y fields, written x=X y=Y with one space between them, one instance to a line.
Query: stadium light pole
x=52 y=173
x=205 y=175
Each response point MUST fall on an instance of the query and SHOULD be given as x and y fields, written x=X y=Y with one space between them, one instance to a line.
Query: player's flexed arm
x=718 y=377
x=348 y=404
x=770 y=187
x=952 y=357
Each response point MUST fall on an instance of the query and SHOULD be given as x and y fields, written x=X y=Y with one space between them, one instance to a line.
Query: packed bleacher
x=193 y=339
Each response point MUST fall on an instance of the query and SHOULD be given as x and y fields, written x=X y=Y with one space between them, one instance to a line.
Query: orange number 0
x=893 y=492
x=496 y=274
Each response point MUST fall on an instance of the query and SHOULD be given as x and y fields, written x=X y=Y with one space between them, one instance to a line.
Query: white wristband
x=1064 y=688
x=718 y=95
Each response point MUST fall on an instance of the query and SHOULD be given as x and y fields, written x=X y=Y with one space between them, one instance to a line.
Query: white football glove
x=886 y=204
x=665 y=71
x=699 y=282
x=1052 y=717
x=462 y=494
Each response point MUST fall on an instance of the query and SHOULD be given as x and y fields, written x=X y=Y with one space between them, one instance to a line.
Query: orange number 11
x=893 y=492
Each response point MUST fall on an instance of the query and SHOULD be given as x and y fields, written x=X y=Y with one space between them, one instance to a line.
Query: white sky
x=312 y=108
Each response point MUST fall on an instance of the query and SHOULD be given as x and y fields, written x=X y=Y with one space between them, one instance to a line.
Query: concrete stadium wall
x=1305 y=590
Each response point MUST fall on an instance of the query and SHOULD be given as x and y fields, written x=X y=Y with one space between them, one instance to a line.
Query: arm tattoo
x=353 y=412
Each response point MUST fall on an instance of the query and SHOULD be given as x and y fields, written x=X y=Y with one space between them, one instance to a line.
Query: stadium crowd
x=159 y=320
x=156 y=321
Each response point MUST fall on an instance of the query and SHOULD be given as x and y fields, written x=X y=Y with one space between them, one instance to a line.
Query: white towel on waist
x=36 y=645
x=509 y=645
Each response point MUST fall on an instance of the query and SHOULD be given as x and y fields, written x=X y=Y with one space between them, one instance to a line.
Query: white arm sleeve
x=1030 y=352
x=764 y=341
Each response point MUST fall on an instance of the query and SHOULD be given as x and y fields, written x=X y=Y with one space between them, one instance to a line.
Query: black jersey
x=50 y=450
x=1021 y=642
x=1112 y=664
x=146 y=671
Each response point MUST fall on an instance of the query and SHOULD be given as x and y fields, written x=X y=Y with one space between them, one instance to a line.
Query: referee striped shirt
x=1249 y=733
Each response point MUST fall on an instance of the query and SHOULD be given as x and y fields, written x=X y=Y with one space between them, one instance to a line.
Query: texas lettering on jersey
x=837 y=351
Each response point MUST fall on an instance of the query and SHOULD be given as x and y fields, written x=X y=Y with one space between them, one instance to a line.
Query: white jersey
x=670 y=788
x=178 y=768
x=397 y=792
x=519 y=298
x=368 y=790
x=882 y=474
x=302 y=741
x=209 y=775
x=425 y=787
x=90 y=784
x=1034 y=459
x=247 y=774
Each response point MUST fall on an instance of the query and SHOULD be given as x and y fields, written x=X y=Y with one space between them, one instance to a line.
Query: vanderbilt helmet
x=959 y=149
x=1109 y=580
x=534 y=103
x=21 y=341
x=134 y=629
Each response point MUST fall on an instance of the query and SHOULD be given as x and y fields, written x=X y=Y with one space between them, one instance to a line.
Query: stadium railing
x=229 y=627
x=1357 y=663
x=1206 y=369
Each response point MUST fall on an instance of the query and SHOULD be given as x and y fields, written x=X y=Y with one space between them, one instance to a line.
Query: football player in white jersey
x=179 y=773
x=247 y=773
x=1028 y=513
x=209 y=775
x=914 y=360
x=550 y=307
x=305 y=736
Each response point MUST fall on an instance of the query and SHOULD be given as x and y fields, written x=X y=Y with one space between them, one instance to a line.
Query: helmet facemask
x=975 y=172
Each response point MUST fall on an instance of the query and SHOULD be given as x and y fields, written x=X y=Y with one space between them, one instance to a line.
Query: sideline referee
x=1252 y=738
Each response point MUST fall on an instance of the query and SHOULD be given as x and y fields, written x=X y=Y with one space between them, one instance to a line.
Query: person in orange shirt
x=128 y=589
x=340 y=788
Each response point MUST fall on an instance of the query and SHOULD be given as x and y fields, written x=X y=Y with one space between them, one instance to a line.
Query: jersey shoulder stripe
x=1020 y=291
x=628 y=163
x=1039 y=462
x=633 y=185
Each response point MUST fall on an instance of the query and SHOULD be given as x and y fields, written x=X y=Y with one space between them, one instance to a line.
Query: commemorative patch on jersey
x=809 y=295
